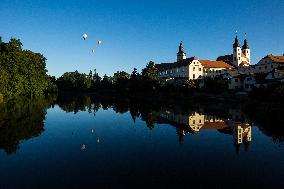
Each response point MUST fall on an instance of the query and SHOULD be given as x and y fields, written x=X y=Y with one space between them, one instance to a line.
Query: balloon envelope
x=84 y=36
x=99 y=42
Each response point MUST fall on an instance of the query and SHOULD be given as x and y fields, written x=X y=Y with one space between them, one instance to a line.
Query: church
x=195 y=68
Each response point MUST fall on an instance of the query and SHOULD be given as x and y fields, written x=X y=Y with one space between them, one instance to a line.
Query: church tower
x=181 y=55
x=237 y=53
x=246 y=51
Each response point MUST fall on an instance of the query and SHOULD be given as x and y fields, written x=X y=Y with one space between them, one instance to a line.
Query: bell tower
x=237 y=53
x=181 y=55
x=246 y=50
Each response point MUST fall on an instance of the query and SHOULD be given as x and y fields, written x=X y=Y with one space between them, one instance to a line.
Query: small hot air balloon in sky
x=99 y=42
x=93 y=51
x=84 y=36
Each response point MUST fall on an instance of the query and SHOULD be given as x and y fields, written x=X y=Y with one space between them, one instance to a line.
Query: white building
x=241 y=56
x=191 y=68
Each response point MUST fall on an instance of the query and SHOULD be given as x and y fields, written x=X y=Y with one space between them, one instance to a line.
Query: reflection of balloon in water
x=83 y=146
x=84 y=36
x=92 y=130
x=99 y=42
x=98 y=140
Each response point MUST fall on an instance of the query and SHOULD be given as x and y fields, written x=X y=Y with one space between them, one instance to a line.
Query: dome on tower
x=236 y=44
x=245 y=46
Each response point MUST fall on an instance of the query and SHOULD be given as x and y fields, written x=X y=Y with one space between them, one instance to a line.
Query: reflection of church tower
x=242 y=134
x=181 y=55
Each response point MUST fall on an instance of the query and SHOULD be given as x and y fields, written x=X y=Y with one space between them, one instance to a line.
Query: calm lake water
x=84 y=142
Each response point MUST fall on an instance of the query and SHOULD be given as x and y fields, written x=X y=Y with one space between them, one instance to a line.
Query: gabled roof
x=277 y=59
x=215 y=64
x=180 y=63
x=226 y=58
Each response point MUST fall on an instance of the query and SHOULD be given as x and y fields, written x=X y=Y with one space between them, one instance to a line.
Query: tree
x=22 y=72
x=150 y=73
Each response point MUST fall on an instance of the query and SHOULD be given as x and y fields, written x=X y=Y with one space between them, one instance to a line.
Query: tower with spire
x=181 y=55
x=241 y=56
x=246 y=50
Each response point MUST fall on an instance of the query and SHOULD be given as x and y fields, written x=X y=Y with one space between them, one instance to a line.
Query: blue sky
x=135 y=32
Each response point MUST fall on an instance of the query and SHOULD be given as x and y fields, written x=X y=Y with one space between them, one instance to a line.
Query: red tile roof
x=214 y=125
x=215 y=64
x=278 y=59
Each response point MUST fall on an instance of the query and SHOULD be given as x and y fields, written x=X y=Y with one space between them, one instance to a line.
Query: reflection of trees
x=21 y=119
x=148 y=111
x=76 y=103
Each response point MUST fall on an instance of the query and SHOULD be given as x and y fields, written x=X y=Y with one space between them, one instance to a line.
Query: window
x=193 y=76
x=236 y=87
x=193 y=121
x=259 y=68
x=235 y=50
x=239 y=58
x=239 y=54
x=236 y=80
x=247 y=52
x=265 y=67
x=271 y=66
x=235 y=59
x=199 y=69
x=200 y=121
x=177 y=70
x=193 y=68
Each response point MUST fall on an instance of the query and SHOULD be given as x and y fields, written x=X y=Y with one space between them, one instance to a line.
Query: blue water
x=121 y=153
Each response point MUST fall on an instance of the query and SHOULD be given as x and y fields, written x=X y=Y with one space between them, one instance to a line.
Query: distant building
x=240 y=56
x=235 y=68
x=191 y=68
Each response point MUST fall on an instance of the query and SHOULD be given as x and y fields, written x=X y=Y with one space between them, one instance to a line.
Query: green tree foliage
x=150 y=73
x=22 y=72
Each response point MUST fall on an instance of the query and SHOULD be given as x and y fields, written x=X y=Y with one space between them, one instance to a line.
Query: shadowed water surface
x=85 y=142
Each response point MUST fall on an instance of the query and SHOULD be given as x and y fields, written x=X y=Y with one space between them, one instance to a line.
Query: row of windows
x=171 y=71
x=194 y=121
x=199 y=69
x=213 y=71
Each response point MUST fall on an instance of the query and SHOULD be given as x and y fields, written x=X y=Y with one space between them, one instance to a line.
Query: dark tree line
x=22 y=72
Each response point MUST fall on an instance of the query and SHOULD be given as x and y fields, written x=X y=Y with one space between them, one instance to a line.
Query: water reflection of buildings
x=196 y=122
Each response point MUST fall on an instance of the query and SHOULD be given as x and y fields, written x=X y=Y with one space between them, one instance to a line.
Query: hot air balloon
x=99 y=42
x=84 y=36
x=93 y=50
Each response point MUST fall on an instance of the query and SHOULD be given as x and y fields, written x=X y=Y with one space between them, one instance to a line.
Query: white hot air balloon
x=99 y=42
x=84 y=36
x=93 y=51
